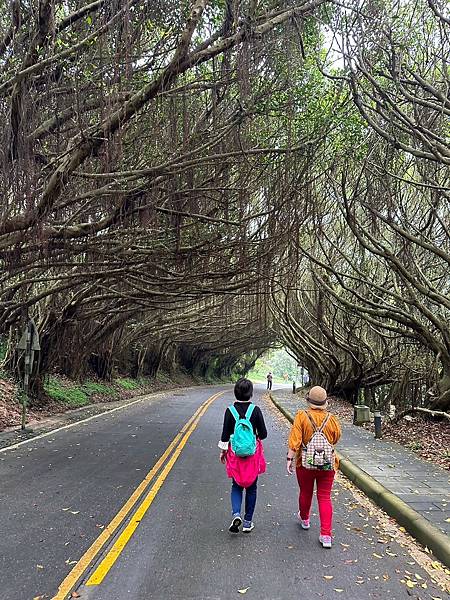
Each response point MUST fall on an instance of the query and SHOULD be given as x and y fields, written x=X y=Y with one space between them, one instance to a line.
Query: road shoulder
x=13 y=437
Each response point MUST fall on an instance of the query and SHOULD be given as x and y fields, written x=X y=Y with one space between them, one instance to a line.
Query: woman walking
x=244 y=457
x=311 y=443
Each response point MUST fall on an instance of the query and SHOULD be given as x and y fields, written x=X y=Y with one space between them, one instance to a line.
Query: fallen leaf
x=376 y=555
x=328 y=576
x=410 y=583
x=39 y=566
x=418 y=577
x=74 y=512
x=338 y=590
x=243 y=590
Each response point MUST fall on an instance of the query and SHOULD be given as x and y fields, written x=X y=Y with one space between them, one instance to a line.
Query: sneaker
x=235 y=524
x=325 y=540
x=248 y=526
x=304 y=522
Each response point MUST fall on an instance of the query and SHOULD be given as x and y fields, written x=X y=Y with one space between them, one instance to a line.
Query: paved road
x=58 y=493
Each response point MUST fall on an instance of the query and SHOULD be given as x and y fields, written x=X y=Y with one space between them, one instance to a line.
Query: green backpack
x=243 y=441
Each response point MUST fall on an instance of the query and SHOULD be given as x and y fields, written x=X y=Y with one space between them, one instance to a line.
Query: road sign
x=35 y=345
x=29 y=343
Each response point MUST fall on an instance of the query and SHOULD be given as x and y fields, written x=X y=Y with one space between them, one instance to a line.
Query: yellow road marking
x=75 y=574
x=109 y=560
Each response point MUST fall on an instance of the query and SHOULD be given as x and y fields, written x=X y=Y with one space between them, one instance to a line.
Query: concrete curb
x=421 y=529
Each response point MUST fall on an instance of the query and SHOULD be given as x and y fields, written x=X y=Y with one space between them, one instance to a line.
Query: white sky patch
x=334 y=47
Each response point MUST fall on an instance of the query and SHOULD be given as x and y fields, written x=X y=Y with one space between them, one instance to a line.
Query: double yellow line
x=173 y=451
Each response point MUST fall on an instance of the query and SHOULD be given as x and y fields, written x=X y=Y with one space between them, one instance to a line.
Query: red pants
x=324 y=479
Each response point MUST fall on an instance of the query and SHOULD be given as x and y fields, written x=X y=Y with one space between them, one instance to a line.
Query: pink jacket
x=244 y=470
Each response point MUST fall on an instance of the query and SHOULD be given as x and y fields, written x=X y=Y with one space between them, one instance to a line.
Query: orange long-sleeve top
x=302 y=431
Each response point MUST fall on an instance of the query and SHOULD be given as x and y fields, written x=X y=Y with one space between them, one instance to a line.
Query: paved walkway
x=421 y=485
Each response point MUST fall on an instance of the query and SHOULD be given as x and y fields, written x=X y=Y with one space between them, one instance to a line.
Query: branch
x=426 y=411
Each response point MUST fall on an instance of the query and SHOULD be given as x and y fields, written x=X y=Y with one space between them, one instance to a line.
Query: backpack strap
x=324 y=424
x=234 y=412
x=311 y=420
x=249 y=412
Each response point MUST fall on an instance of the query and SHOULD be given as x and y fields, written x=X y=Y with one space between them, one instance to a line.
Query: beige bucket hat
x=317 y=397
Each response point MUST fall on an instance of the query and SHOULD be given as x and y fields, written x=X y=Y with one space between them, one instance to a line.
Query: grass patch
x=258 y=375
x=75 y=396
x=72 y=396
x=92 y=387
x=127 y=383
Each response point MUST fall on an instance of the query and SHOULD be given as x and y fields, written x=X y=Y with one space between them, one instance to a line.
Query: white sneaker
x=248 y=526
x=305 y=523
x=325 y=540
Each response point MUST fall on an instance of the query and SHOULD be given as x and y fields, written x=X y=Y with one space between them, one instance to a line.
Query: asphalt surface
x=58 y=493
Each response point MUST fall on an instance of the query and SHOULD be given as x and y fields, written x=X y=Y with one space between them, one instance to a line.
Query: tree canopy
x=195 y=182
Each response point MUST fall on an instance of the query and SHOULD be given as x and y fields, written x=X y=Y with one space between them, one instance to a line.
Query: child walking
x=311 y=442
x=243 y=455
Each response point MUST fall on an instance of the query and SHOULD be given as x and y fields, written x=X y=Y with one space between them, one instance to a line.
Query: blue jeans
x=250 y=499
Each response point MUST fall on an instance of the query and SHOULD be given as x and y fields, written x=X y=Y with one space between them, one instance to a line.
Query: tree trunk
x=442 y=402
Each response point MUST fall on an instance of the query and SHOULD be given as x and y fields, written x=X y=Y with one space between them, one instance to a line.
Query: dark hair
x=243 y=389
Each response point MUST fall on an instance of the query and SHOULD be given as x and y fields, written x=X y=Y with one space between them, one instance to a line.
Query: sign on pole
x=29 y=343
